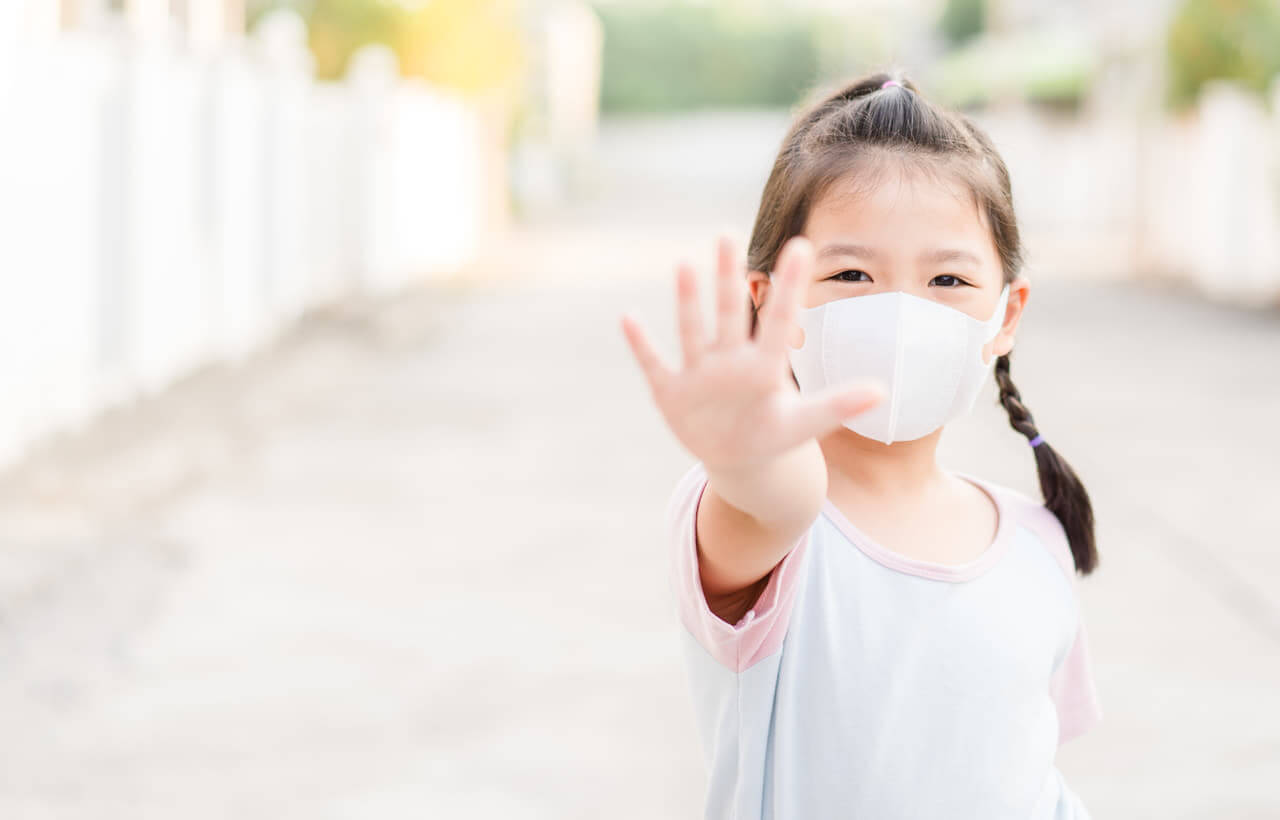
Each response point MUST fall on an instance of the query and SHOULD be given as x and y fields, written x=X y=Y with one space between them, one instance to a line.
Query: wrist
x=777 y=491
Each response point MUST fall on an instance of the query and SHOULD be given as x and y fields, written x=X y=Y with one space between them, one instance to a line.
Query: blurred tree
x=671 y=57
x=962 y=20
x=336 y=29
x=469 y=45
x=850 y=45
x=1221 y=39
x=1054 y=67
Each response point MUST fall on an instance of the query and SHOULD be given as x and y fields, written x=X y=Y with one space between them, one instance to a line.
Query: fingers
x=786 y=291
x=689 y=315
x=655 y=371
x=817 y=415
x=730 y=288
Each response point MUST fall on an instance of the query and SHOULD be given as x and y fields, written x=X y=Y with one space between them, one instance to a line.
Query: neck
x=873 y=467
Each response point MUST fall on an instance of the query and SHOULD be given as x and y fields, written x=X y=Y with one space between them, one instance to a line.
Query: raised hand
x=732 y=403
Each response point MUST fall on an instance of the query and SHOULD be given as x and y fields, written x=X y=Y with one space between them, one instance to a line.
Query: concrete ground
x=411 y=563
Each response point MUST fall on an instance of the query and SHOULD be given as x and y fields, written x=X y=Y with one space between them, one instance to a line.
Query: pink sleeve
x=760 y=632
x=1071 y=687
x=1074 y=692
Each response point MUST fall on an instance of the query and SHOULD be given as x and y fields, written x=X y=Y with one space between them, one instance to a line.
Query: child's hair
x=851 y=136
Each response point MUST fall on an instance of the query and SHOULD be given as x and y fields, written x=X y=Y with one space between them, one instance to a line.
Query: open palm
x=733 y=404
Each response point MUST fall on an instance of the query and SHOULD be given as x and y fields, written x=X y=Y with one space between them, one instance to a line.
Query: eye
x=946 y=280
x=850 y=276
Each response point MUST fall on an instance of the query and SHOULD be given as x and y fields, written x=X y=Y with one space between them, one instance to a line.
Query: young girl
x=868 y=634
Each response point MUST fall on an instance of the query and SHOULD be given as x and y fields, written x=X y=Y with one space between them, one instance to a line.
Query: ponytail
x=1063 y=493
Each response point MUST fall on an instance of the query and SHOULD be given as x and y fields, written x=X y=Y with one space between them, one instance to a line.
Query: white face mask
x=927 y=355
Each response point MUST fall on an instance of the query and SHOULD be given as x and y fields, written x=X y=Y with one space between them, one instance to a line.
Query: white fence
x=160 y=210
x=1195 y=197
x=1212 y=197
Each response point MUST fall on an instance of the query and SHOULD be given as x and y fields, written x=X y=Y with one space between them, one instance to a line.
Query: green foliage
x=1235 y=40
x=1054 y=67
x=962 y=20
x=848 y=45
x=685 y=57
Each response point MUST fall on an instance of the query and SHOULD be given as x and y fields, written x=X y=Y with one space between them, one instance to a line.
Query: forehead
x=901 y=204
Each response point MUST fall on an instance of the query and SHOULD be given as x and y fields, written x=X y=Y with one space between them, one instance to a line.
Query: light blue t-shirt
x=866 y=684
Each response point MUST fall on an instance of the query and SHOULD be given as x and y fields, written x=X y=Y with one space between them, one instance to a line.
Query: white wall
x=161 y=208
x=1194 y=197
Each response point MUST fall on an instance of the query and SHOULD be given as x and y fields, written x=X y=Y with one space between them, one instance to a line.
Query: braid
x=1064 y=494
x=1020 y=417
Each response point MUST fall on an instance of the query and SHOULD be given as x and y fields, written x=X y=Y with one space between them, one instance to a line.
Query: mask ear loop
x=997 y=319
x=996 y=322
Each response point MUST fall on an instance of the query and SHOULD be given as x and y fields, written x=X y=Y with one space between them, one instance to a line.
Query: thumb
x=827 y=410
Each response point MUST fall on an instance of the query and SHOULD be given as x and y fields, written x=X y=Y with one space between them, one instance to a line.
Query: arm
x=739 y=639
x=737 y=550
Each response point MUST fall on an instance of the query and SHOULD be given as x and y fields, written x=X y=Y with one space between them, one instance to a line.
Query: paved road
x=411 y=564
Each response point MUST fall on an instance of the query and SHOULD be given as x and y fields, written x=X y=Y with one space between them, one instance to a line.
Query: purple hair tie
x=1037 y=441
x=888 y=83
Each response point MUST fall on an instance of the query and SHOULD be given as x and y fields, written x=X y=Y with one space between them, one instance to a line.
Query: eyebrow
x=936 y=255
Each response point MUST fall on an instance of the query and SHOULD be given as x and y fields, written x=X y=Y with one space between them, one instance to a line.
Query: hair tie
x=888 y=83
x=1037 y=441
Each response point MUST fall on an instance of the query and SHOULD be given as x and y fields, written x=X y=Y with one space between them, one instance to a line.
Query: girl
x=868 y=634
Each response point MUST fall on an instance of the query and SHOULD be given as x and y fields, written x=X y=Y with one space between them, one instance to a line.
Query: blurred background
x=328 y=487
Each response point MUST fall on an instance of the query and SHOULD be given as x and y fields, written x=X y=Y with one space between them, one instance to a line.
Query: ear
x=1019 y=291
x=758 y=285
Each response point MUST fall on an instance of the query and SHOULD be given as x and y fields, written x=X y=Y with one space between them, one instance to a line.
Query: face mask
x=927 y=355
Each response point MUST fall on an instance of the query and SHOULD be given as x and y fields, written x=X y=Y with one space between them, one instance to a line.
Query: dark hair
x=846 y=136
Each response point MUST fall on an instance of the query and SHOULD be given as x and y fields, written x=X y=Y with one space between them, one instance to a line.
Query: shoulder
x=1033 y=516
x=686 y=492
x=692 y=478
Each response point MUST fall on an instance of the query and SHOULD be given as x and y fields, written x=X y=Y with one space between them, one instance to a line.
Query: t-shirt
x=868 y=684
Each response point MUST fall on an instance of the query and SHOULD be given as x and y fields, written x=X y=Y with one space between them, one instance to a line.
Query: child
x=869 y=635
